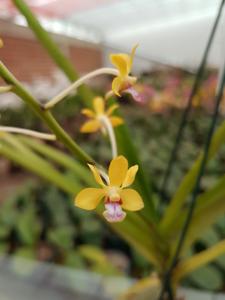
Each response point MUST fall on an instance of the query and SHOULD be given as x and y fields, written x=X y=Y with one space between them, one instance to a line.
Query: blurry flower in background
x=172 y=91
x=158 y=103
x=123 y=62
x=97 y=114
x=114 y=191
x=207 y=93
x=141 y=93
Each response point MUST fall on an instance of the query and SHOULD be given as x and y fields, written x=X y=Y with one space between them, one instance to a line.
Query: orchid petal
x=121 y=61
x=116 y=121
x=88 y=113
x=131 y=58
x=90 y=126
x=111 y=109
x=99 y=105
x=130 y=176
x=131 y=200
x=89 y=198
x=118 y=170
x=96 y=174
x=117 y=85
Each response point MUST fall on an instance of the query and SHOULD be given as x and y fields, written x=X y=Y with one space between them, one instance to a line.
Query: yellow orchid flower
x=1 y=43
x=98 y=116
x=123 y=62
x=115 y=192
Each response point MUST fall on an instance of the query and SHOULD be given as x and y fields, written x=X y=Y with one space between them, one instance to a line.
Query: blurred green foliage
x=154 y=136
x=40 y=222
x=212 y=276
x=15 y=116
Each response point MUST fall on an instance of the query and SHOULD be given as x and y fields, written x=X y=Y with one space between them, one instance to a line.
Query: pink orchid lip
x=114 y=212
x=138 y=97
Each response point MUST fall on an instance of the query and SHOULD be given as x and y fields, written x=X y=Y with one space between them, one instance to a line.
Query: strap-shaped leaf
x=198 y=260
x=210 y=207
x=174 y=209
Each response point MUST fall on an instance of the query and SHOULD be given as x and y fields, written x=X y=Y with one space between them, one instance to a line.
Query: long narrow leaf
x=210 y=207
x=38 y=166
x=174 y=209
x=198 y=260
x=59 y=157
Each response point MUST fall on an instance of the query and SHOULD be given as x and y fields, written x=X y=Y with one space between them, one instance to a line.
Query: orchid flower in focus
x=115 y=193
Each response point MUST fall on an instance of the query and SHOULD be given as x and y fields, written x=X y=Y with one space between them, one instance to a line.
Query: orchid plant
x=131 y=212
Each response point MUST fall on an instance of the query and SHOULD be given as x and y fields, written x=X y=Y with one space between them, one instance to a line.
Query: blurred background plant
x=40 y=223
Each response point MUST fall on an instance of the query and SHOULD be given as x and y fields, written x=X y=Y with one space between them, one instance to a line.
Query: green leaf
x=36 y=164
x=55 y=202
x=93 y=254
x=4 y=248
x=207 y=277
x=4 y=231
x=186 y=185
x=62 y=237
x=210 y=206
x=91 y=231
x=210 y=237
x=220 y=224
x=74 y=259
x=61 y=158
x=8 y=214
x=220 y=261
x=28 y=226
x=26 y=252
x=98 y=260
x=198 y=260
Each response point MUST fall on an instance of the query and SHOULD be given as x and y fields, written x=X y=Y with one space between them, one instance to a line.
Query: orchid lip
x=114 y=212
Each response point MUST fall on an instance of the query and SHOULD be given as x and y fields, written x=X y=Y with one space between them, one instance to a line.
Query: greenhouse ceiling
x=169 y=31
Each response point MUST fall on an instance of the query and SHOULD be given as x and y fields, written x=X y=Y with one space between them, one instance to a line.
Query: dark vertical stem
x=196 y=189
x=184 y=118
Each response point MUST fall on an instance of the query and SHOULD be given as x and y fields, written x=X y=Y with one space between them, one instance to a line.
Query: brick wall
x=27 y=59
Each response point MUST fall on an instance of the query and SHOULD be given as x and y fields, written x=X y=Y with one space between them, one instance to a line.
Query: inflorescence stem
x=108 y=126
x=78 y=83
x=36 y=134
x=5 y=89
